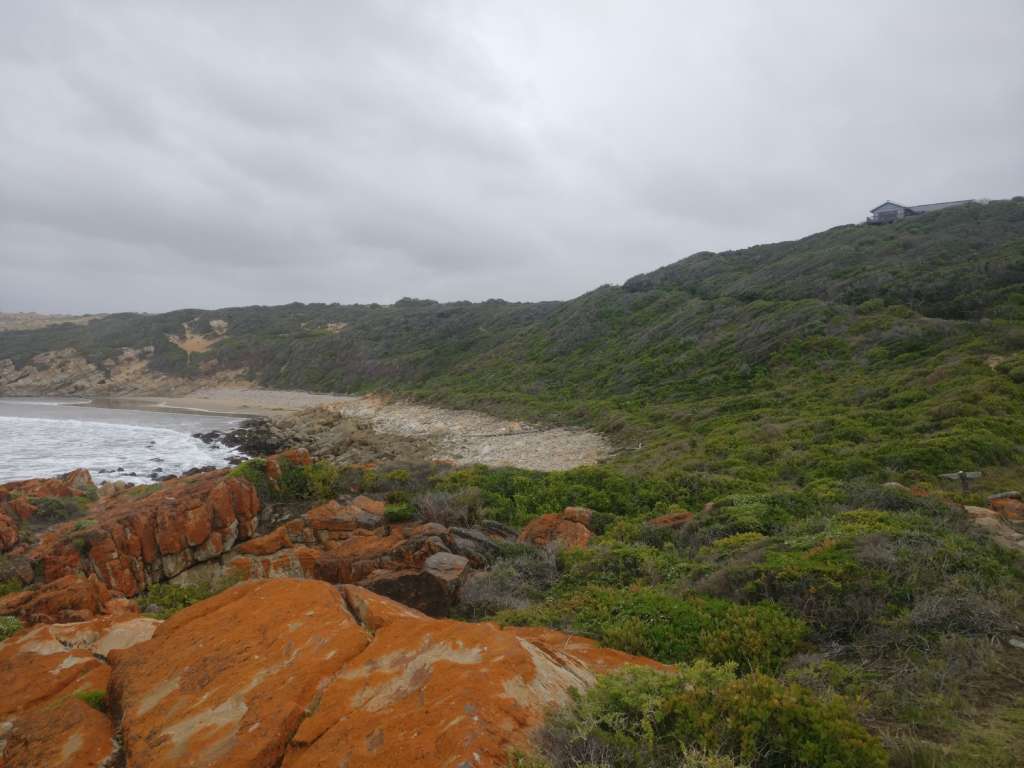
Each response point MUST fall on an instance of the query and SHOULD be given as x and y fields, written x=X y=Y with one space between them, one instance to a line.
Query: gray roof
x=938 y=206
x=926 y=208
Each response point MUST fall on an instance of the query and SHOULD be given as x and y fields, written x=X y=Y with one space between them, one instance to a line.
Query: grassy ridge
x=886 y=352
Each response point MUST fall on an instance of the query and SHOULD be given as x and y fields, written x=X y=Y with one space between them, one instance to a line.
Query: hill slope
x=876 y=351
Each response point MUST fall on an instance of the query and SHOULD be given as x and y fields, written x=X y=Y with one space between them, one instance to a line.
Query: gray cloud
x=159 y=155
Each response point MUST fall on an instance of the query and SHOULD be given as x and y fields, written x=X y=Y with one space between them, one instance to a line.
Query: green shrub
x=95 y=699
x=617 y=564
x=518 y=578
x=324 y=480
x=9 y=625
x=642 y=717
x=255 y=472
x=650 y=622
x=399 y=513
x=57 y=510
x=9 y=586
x=169 y=598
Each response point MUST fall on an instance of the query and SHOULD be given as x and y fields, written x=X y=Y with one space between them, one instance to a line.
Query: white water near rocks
x=47 y=437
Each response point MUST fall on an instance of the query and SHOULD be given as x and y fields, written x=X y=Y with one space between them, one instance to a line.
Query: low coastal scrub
x=650 y=622
x=704 y=714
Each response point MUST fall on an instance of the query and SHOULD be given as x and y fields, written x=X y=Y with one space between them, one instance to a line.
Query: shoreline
x=347 y=426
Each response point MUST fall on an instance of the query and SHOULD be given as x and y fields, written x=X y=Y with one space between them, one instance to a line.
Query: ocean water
x=46 y=437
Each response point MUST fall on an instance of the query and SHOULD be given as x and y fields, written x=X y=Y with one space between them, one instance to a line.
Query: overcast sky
x=156 y=155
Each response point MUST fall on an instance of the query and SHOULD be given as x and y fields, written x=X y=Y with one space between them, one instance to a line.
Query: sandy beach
x=226 y=401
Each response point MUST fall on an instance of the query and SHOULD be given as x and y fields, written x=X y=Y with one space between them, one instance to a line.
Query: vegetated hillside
x=860 y=351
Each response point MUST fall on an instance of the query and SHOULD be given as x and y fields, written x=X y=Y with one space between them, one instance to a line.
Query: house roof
x=938 y=206
x=888 y=202
x=921 y=208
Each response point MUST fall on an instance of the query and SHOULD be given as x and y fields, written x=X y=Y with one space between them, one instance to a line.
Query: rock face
x=419 y=564
x=999 y=525
x=568 y=528
x=299 y=674
x=16 y=501
x=42 y=720
x=130 y=541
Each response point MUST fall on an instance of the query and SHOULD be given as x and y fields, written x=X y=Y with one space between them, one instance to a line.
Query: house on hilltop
x=888 y=212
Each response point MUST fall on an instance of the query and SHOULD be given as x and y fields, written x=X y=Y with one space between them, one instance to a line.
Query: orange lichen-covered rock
x=227 y=681
x=429 y=692
x=70 y=598
x=416 y=563
x=42 y=720
x=77 y=482
x=8 y=533
x=297 y=456
x=140 y=539
x=296 y=673
x=562 y=529
x=671 y=520
x=1010 y=508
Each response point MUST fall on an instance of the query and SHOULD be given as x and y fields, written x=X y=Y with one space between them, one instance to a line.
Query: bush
x=324 y=480
x=95 y=699
x=255 y=472
x=515 y=581
x=57 y=510
x=459 y=508
x=650 y=622
x=167 y=599
x=9 y=625
x=617 y=564
x=642 y=718
x=9 y=586
x=399 y=513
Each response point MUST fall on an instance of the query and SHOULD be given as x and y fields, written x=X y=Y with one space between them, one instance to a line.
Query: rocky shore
x=360 y=430
x=333 y=646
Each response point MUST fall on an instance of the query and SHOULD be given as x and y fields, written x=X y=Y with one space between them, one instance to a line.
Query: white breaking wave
x=31 y=447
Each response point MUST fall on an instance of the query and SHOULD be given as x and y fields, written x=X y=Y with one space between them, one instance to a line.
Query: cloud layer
x=159 y=155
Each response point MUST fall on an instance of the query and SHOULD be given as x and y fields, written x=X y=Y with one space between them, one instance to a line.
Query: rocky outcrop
x=568 y=528
x=48 y=676
x=1001 y=523
x=130 y=541
x=298 y=674
x=19 y=500
x=419 y=564
x=70 y=598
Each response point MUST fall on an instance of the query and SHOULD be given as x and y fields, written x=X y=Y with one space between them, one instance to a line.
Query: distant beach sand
x=463 y=437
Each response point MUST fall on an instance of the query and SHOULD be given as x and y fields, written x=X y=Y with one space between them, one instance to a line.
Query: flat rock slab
x=298 y=673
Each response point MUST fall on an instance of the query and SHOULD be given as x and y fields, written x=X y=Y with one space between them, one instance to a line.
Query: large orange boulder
x=568 y=528
x=298 y=674
x=47 y=676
